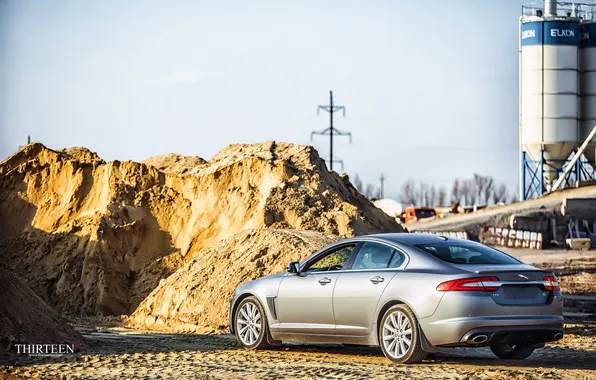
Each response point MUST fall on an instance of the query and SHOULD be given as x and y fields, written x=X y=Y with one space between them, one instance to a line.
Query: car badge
x=522 y=276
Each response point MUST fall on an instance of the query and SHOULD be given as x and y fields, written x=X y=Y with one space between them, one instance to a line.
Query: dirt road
x=118 y=353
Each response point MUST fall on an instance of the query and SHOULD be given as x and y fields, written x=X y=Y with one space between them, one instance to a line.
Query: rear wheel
x=515 y=351
x=399 y=335
x=251 y=328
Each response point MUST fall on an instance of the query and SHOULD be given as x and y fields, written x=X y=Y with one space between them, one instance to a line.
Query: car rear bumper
x=461 y=312
x=513 y=334
x=458 y=331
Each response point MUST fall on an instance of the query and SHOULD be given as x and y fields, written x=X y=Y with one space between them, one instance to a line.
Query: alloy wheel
x=397 y=334
x=249 y=324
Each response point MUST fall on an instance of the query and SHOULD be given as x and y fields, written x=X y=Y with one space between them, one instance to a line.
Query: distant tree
x=442 y=196
x=466 y=190
x=500 y=194
x=513 y=197
x=423 y=194
x=370 y=191
x=489 y=188
x=358 y=184
x=483 y=188
x=470 y=192
x=477 y=185
x=473 y=193
x=432 y=196
x=408 y=194
x=456 y=192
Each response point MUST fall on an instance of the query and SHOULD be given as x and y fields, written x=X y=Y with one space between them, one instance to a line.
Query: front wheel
x=516 y=351
x=399 y=336
x=251 y=327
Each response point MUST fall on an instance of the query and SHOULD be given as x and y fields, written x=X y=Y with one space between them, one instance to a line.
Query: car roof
x=407 y=238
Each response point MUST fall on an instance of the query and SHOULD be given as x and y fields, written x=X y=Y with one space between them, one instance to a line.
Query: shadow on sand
x=121 y=342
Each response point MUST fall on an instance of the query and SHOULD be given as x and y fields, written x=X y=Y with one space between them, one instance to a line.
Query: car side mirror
x=294 y=267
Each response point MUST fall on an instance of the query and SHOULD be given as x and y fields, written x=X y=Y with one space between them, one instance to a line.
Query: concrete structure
x=587 y=84
x=549 y=98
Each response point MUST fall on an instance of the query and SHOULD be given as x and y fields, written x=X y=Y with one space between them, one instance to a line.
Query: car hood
x=274 y=275
x=272 y=278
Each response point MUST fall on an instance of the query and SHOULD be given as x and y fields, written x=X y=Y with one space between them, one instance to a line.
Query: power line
x=331 y=130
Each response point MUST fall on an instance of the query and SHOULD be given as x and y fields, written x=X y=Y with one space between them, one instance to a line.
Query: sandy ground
x=111 y=352
x=118 y=354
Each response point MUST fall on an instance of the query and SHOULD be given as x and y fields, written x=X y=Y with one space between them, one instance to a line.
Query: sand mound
x=25 y=318
x=97 y=237
x=82 y=155
x=176 y=164
x=196 y=297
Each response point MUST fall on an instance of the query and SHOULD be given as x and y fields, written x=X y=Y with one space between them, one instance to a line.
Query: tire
x=257 y=335
x=400 y=319
x=517 y=351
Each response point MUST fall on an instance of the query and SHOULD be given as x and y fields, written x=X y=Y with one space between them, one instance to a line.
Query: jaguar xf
x=407 y=293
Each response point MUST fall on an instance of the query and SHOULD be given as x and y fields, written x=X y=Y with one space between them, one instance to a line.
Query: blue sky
x=430 y=87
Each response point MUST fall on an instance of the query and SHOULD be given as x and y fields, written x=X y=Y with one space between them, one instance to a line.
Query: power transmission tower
x=382 y=183
x=28 y=141
x=331 y=108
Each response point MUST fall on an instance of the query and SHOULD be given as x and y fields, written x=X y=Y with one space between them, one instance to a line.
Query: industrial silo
x=549 y=101
x=587 y=84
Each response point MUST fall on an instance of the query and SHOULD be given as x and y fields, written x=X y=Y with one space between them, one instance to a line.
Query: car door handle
x=377 y=279
x=324 y=281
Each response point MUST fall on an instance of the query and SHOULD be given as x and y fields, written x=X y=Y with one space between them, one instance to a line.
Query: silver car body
x=345 y=306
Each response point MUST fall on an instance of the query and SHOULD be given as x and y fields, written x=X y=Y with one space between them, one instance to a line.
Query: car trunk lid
x=518 y=285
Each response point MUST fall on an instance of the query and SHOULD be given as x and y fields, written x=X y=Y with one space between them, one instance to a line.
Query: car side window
x=334 y=260
x=373 y=256
x=397 y=259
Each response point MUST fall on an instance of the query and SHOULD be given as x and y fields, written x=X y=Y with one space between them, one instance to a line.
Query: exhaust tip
x=558 y=336
x=479 y=339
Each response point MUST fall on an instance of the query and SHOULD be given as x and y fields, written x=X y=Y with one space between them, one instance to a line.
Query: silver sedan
x=407 y=293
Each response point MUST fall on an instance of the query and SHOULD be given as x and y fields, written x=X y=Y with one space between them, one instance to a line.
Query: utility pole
x=382 y=183
x=331 y=108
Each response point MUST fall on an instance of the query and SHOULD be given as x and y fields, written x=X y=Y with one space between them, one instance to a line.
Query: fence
x=511 y=238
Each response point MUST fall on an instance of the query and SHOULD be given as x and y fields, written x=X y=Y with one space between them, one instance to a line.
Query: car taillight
x=469 y=284
x=550 y=283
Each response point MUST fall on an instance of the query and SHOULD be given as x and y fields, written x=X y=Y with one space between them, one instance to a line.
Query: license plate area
x=523 y=295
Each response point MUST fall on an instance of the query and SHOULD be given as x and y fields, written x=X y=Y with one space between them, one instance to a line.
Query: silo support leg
x=574 y=159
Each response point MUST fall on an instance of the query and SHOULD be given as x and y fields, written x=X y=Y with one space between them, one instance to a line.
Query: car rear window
x=467 y=253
